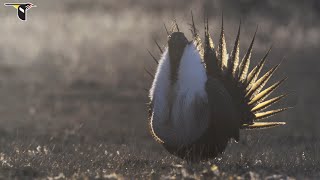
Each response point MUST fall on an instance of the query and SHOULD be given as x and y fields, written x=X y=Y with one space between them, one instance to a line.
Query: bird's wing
x=224 y=119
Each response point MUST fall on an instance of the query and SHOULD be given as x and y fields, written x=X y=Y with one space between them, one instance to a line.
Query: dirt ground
x=73 y=104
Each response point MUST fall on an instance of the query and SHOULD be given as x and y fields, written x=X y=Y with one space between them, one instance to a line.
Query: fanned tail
x=246 y=87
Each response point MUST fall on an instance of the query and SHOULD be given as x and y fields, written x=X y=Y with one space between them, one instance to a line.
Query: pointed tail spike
x=207 y=23
x=196 y=38
x=149 y=73
x=160 y=49
x=253 y=75
x=245 y=63
x=165 y=27
x=262 y=125
x=211 y=44
x=210 y=59
x=172 y=27
x=222 y=49
x=270 y=113
x=193 y=27
x=153 y=57
x=234 y=59
x=265 y=93
x=210 y=41
x=176 y=24
x=268 y=103
x=260 y=83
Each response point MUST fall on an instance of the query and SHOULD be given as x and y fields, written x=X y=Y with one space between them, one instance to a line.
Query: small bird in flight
x=201 y=97
x=22 y=9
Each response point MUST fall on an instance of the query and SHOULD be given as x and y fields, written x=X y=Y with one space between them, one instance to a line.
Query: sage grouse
x=201 y=97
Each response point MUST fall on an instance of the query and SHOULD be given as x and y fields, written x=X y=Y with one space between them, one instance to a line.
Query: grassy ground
x=73 y=105
x=86 y=133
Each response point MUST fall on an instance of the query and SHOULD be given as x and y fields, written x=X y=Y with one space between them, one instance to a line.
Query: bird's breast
x=180 y=110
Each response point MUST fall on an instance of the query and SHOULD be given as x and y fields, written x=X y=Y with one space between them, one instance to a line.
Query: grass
x=81 y=136
x=75 y=157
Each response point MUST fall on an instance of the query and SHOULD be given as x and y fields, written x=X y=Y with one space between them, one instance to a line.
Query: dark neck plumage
x=176 y=44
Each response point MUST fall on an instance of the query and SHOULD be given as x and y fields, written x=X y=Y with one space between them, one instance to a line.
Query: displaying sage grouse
x=201 y=97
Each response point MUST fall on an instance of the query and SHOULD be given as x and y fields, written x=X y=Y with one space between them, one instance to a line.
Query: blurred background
x=76 y=67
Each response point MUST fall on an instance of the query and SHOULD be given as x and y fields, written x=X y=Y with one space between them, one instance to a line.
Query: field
x=73 y=104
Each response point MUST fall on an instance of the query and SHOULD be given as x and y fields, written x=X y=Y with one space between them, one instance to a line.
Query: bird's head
x=29 y=5
x=176 y=45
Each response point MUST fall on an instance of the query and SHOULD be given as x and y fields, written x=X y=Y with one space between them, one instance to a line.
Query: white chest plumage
x=175 y=105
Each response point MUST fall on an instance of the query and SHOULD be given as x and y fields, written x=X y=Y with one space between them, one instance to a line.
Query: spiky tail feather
x=246 y=88
x=262 y=125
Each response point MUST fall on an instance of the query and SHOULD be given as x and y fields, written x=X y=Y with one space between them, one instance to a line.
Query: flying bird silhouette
x=22 y=9
x=201 y=97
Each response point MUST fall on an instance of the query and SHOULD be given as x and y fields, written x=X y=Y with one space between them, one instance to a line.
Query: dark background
x=72 y=76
